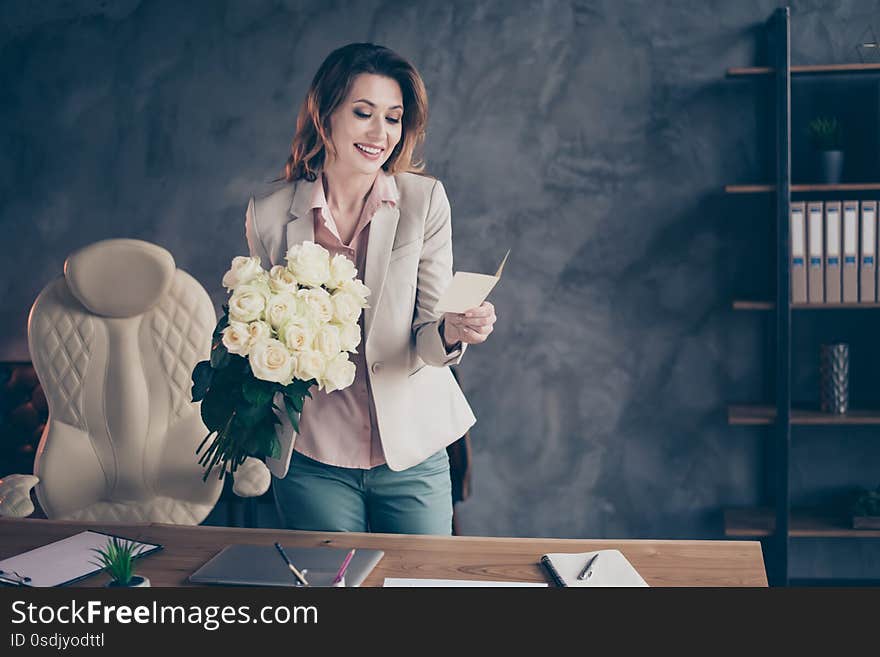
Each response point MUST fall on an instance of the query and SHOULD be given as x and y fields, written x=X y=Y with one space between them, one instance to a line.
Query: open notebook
x=62 y=562
x=611 y=568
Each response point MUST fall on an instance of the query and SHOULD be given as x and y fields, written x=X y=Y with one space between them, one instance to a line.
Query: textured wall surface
x=593 y=138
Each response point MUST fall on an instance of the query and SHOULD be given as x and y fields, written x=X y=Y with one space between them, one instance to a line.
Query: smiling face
x=366 y=126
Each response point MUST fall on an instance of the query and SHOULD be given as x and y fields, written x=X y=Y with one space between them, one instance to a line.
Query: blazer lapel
x=383 y=228
x=301 y=227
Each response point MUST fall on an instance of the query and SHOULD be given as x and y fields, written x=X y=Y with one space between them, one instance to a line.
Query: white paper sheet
x=62 y=561
x=468 y=290
x=415 y=583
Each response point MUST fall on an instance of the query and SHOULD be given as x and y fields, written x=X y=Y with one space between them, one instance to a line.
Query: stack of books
x=833 y=252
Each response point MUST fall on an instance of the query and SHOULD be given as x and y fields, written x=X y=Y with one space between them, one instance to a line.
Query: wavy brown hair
x=331 y=86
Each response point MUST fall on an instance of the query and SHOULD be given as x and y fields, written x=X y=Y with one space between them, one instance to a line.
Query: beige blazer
x=419 y=407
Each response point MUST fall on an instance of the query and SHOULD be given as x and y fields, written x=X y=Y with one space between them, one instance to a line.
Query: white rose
x=243 y=270
x=318 y=304
x=309 y=263
x=236 y=338
x=327 y=341
x=310 y=364
x=338 y=374
x=356 y=288
x=259 y=330
x=349 y=337
x=341 y=269
x=297 y=334
x=346 y=307
x=271 y=361
x=248 y=302
x=280 y=309
x=281 y=279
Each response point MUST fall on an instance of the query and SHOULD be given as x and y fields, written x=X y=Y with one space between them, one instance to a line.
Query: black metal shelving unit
x=779 y=523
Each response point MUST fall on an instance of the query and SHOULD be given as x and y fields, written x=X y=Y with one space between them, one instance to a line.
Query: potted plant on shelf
x=866 y=510
x=826 y=134
x=116 y=560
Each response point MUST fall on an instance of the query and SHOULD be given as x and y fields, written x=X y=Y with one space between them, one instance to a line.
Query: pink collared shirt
x=340 y=428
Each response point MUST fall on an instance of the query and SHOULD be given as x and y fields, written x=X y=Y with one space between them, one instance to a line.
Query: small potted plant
x=866 y=509
x=826 y=134
x=116 y=560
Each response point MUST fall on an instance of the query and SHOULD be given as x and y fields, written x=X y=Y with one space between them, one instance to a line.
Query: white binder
x=816 y=254
x=867 y=268
x=850 y=252
x=798 y=254
x=832 y=252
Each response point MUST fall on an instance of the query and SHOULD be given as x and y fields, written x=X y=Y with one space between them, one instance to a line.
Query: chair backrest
x=114 y=342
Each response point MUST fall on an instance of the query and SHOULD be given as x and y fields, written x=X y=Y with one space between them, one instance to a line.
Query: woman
x=372 y=457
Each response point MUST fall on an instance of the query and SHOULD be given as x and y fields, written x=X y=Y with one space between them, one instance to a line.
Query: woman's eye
x=363 y=115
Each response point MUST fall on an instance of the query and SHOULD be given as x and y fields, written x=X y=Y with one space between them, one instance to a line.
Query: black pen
x=587 y=572
x=293 y=569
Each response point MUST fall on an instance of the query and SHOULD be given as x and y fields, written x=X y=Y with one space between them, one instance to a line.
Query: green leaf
x=249 y=415
x=217 y=408
x=267 y=439
x=219 y=355
x=295 y=398
x=222 y=324
x=116 y=558
x=292 y=411
x=257 y=392
x=201 y=377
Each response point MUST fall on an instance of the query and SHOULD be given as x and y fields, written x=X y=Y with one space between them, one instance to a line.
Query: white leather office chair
x=114 y=342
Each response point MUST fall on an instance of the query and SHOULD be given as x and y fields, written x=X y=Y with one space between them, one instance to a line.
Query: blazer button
x=376 y=368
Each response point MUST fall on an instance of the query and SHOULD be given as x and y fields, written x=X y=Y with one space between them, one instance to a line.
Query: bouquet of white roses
x=282 y=331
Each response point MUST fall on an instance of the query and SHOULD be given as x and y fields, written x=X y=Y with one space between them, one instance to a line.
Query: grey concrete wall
x=592 y=138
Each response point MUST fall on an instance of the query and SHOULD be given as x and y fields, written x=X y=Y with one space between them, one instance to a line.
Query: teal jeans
x=319 y=497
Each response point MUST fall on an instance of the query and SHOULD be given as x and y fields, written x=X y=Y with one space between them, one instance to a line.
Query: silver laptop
x=262 y=565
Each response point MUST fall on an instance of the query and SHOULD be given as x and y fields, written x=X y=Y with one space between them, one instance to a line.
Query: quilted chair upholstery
x=114 y=342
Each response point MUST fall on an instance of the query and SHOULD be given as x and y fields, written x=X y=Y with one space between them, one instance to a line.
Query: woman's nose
x=376 y=130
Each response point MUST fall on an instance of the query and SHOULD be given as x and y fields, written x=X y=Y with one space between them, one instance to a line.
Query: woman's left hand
x=471 y=327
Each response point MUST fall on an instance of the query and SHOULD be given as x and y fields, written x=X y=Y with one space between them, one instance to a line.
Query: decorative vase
x=830 y=167
x=135 y=582
x=834 y=378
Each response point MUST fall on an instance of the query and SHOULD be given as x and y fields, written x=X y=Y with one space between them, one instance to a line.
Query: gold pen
x=293 y=569
x=588 y=569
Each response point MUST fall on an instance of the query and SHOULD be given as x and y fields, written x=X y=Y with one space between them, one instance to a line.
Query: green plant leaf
x=217 y=407
x=201 y=377
x=256 y=391
x=222 y=323
x=293 y=412
x=219 y=355
x=267 y=439
x=116 y=558
x=250 y=414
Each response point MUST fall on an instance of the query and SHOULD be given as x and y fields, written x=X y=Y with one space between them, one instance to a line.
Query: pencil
x=293 y=569
x=344 y=566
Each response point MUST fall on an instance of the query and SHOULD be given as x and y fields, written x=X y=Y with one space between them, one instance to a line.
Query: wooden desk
x=661 y=563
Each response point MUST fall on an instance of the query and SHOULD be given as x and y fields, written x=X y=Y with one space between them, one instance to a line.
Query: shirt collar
x=384 y=190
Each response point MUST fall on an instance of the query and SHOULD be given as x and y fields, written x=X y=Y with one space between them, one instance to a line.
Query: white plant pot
x=136 y=582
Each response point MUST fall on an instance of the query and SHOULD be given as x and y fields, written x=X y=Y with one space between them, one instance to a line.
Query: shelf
x=744 y=304
x=762 y=414
x=757 y=522
x=753 y=305
x=764 y=189
x=812 y=69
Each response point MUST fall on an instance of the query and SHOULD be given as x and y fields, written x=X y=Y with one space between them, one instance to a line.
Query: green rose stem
x=214 y=452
